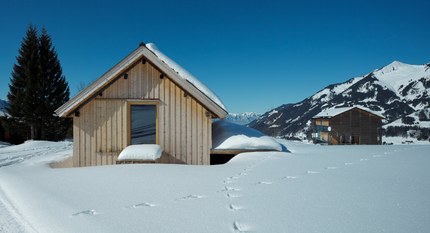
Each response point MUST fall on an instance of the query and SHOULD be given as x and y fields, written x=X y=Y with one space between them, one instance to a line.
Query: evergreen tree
x=37 y=88
x=24 y=73
x=54 y=91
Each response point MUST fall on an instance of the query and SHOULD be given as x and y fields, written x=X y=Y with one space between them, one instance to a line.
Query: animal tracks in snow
x=233 y=195
x=234 y=207
x=229 y=188
x=240 y=227
x=289 y=177
x=144 y=204
x=312 y=172
x=189 y=197
x=90 y=212
x=264 y=182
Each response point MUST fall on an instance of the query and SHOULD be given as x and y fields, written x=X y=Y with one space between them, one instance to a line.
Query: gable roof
x=332 y=112
x=198 y=90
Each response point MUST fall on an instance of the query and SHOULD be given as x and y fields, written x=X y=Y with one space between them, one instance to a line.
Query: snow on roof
x=144 y=152
x=183 y=73
x=190 y=84
x=331 y=112
x=230 y=136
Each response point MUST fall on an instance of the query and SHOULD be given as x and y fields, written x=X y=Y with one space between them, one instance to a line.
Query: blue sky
x=256 y=55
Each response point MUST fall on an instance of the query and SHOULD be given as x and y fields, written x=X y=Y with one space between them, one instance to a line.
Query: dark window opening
x=143 y=124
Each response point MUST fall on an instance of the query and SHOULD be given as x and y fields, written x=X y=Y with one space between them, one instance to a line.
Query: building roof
x=331 y=112
x=166 y=66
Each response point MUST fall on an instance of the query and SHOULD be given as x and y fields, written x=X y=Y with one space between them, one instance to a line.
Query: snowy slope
x=242 y=118
x=3 y=105
x=313 y=189
x=394 y=91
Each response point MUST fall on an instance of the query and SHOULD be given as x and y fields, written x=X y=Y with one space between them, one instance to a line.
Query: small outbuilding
x=144 y=99
x=347 y=125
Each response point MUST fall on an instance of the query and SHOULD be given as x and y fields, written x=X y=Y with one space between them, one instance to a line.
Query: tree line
x=37 y=88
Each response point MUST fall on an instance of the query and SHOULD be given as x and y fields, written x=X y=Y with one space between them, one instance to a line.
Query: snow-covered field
x=312 y=189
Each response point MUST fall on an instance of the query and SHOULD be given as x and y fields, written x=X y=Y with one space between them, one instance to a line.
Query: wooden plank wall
x=184 y=127
x=361 y=124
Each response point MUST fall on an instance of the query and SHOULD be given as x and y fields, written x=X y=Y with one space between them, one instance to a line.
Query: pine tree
x=54 y=91
x=21 y=91
x=37 y=88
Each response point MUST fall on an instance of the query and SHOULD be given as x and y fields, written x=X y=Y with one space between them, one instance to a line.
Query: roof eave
x=70 y=106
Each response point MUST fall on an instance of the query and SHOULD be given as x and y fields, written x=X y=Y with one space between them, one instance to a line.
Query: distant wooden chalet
x=144 y=99
x=350 y=125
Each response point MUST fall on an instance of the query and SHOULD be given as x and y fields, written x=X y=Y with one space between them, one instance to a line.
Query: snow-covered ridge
x=337 y=89
x=398 y=75
x=183 y=73
x=242 y=118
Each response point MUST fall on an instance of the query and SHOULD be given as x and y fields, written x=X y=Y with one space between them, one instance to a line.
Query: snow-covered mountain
x=242 y=118
x=3 y=105
x=394 y=91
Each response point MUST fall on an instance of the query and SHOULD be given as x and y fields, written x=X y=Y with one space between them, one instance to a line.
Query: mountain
x=3 y=105
x=242 y=118
x=395 y=91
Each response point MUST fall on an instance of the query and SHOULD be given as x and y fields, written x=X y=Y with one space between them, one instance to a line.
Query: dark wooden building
x=350 y=125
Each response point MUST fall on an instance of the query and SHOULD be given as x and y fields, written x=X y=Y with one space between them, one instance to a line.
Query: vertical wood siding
x=101 y=130
x=362 y=126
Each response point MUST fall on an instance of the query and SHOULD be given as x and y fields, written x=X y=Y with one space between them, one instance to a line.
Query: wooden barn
x=348 y=125
x=144 y=99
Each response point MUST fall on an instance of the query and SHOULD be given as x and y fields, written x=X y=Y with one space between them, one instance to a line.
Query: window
x=143 y=124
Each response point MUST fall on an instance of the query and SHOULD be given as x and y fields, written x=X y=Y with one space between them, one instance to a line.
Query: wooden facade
x=101 y=124
x=354 y=126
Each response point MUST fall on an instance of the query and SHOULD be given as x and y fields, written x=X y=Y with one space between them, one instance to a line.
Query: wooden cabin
x=350 y=125
x=144 y=99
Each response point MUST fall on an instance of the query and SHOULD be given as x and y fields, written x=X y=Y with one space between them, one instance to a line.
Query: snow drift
x=227 y=135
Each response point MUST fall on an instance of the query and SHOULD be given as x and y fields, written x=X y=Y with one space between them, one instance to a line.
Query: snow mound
x=227 y=135
x=147 y=152
x=35 y=151
x=184 y=74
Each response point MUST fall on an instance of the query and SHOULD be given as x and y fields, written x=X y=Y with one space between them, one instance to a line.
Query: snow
x=397 y=75
x=227 y=135
x=146 y=152
x=37 y=151
x=270 y=122
x=365 y=88
x=417 y=122
x=331 y=112
x=342 y=87
x=272 y=112
x=337 y=89
x=183 y=73
x=4 y=144
x=312 y=189
x=404 y=140
x=242 y=118
x=3 y=105
x=326 y=93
